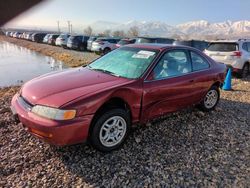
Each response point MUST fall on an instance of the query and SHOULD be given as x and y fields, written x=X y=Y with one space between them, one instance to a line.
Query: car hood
x=56 y=89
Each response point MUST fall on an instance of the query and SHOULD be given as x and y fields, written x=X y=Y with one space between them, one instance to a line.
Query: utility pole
x=69 y=25
x=71 y=30
x=58 y=26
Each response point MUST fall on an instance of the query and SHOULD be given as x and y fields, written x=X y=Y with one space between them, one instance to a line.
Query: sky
x=84 y=12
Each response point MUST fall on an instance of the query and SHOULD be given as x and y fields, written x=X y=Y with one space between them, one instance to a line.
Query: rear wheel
x=106 y=50
x=110 y=130
x=211 y=99
x=245 y=71
x=81 y=48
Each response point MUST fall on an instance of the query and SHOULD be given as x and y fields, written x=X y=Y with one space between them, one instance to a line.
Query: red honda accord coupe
x=132 y=84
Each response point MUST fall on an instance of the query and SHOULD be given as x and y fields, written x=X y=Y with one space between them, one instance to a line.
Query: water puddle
x=19 y=64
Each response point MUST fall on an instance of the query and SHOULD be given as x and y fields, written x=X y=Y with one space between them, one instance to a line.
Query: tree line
x=132 y=32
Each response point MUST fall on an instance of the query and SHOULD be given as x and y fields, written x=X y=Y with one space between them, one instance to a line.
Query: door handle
x=191 y=81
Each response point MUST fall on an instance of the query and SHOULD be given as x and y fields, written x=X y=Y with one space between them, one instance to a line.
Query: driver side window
x=172 y=64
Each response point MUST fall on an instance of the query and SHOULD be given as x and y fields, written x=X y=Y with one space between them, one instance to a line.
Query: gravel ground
x=187 y=148
x=70 y=57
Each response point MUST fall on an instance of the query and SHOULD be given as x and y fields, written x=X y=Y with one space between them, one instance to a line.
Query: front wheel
x=211 y=99
x=110 y=130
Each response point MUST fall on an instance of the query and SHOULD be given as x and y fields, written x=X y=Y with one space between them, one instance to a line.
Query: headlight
x=53 y=113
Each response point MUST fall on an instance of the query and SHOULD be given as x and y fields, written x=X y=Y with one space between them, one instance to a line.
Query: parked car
x=38 y=37
x=104 y=45
x=62 y=40
x=29 y=36
x=90 y=41
x=52 y=39
x=32 y=37
x=77 y=42
x=7 y=33
x=123 y=42
x=46 y=38
x=133 y=84
x=234 y=53
x=200 y=45
x=16 y=34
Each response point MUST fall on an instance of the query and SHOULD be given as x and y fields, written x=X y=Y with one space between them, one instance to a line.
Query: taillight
x=237 y=54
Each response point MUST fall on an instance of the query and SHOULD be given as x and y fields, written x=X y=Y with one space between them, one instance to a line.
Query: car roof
x=234 y=41
x=223 y=41
x=157 y=46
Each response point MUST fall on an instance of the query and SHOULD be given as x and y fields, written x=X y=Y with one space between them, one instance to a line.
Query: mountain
x=194 y=29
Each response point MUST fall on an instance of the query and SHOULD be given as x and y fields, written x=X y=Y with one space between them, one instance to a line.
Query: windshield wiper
x=105 y=71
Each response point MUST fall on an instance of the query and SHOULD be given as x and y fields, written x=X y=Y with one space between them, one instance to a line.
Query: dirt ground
x=189 y=148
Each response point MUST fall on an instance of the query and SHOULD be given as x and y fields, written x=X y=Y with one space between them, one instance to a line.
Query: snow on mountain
x=223 y=28
x=151 y=28
x=193 y=28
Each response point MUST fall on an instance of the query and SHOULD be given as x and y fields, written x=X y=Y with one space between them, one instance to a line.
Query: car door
x=202 y=74
x=170 y=86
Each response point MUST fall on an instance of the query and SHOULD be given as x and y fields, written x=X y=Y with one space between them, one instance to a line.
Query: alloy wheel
x=112 y=131
x=211 y=99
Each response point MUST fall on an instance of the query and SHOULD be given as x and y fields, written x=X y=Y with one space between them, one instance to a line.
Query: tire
x=105 y=132
x=81 y=48
x=210 y=100
x=106 y=50
x=245 y=71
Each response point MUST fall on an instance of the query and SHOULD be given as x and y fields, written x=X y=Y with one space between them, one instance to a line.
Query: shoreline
x=70 y=58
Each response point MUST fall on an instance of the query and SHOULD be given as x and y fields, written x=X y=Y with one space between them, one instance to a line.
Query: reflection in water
x=19 y=64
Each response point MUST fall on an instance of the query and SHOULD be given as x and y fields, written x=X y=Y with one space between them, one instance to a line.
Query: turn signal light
x=40 y=133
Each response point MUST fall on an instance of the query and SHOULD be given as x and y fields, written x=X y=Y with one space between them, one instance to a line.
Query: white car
x=62 y=40
x=235 y=54
x=104 y=45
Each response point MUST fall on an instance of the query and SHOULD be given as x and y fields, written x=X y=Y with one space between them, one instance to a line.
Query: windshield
x=223 y=47
x=125 y=62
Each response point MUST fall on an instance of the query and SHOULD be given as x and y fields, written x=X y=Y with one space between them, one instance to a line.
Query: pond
x=19 y=64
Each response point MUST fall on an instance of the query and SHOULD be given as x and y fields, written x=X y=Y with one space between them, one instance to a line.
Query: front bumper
x=54 y=132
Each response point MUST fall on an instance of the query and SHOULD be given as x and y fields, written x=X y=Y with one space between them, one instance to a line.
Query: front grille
x=24 y=103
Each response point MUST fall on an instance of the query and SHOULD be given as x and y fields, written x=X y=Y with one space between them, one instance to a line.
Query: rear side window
x=145 y=40
x=103 y=40
x=223 y=47
x=244 y=46
x=85 y=38
x=248 y=46
x=124 y=42
x=112 y=40
x=198 y=62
